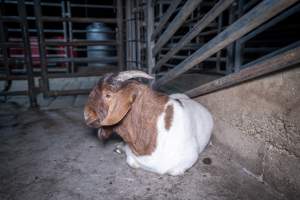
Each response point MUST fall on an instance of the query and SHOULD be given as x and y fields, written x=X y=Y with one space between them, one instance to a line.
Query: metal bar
x=27 y=54
x=83 y=60
x=93 y=6
x=230 y=48
x=69 y=37
x=128 y=34
x=133 y=36
x=183 y=14
x=271 y=23
x=65 y=31
x=55 y=93
x=165 y=18
x=3 y=46
x=13 y=77
x=199 y=26
x=14 y=93
x=42 y=50
x=149 y=30
x=285 y=57
x=32 y=3
x=11 y=44
x=77 y=19
x=10 y=19
x=34 y=30
x=238 y=50
x=120 y=34
x=81 y=43
x=255 y=17
x=218 y=63
x=138 y=35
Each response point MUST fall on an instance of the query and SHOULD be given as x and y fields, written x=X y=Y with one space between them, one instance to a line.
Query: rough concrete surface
x=51 y=154
x=259 y=122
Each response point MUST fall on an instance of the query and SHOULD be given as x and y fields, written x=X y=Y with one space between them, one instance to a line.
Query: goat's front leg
x=131 y=158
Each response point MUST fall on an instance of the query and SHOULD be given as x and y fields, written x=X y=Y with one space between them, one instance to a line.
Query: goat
x=163 y=134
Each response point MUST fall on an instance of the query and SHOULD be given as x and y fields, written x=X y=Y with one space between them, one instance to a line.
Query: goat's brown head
x=110 y=100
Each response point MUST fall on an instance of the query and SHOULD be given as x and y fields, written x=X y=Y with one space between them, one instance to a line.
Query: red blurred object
x=60 y=51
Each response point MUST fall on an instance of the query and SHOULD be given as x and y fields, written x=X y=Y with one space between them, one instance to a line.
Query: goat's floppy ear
x=120 y=103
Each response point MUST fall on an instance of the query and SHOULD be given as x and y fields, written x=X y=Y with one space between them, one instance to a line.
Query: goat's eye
x=108 y=96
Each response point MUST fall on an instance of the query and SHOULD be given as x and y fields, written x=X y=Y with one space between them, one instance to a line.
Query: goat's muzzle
x=91 y=118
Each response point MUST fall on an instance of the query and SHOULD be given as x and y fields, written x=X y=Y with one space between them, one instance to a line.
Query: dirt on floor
x=52 y=154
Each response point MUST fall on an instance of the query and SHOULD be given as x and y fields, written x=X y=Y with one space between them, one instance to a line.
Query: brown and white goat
x=163 y=134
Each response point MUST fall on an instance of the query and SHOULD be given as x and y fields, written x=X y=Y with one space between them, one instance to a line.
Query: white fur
x=177 y=149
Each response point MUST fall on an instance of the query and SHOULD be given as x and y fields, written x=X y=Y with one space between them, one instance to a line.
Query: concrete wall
x=258 y=122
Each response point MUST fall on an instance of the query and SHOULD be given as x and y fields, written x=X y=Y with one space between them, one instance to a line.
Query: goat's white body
x=177 y=148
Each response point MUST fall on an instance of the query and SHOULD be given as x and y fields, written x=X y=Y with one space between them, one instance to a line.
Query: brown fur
x=169 y=116
x=138 y=127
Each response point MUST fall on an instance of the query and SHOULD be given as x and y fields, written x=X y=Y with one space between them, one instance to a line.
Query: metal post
x=27 y=53
x=230 y=48
x=138 y=35
x=120 y=34
x=42 y=47
x=149 y=30
x=128 y=35
x=238 y=54
x=4 y=50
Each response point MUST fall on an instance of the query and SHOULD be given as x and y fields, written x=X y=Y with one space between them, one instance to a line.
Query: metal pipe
x=198 y=27
x=273 y=62
x=120 y=34
x=27 y=54
x=183 y=14
x=42 y=50
x=255 y=17
x=164 y=18
x=78 y=19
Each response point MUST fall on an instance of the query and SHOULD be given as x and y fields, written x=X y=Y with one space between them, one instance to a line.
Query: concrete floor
x=51 y=154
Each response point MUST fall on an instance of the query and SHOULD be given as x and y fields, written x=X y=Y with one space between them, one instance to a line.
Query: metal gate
x=44 y=40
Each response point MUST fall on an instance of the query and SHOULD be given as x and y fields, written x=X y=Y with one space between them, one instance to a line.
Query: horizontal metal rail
x=273 y=62
x=81 y=43
x=77 y=19
x=255 y=17
x=83 y=60
x=77 y=5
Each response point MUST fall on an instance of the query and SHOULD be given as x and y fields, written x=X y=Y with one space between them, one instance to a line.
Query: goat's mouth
x=94 y=123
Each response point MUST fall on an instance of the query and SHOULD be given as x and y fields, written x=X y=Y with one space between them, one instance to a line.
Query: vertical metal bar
x=230 y=48
x=120 y=34
x=3 y=39
x=218 y=61
x=42 y=47
x=65 y=31
x=70 y=36
x=138 y=36
x=149 y=31
x=132 y=37
x=238 y=45
x=128 y=35
x=27 y=53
